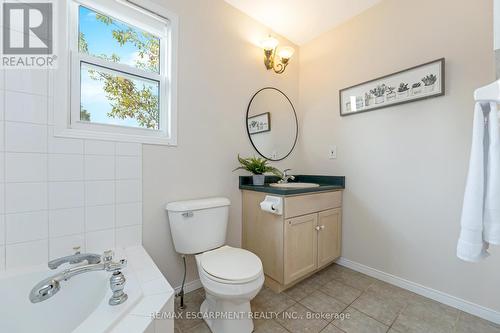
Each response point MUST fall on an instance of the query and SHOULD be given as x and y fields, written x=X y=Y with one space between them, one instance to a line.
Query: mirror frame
x=296 y=124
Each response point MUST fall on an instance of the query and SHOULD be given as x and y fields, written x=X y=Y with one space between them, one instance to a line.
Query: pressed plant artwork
x=429 y=79
x=403 y=87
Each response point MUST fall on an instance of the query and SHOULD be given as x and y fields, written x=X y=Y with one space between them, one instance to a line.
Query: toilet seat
x=231 y=278
x=231 y=265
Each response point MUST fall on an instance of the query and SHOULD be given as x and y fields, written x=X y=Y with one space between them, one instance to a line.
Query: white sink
x=294 y=185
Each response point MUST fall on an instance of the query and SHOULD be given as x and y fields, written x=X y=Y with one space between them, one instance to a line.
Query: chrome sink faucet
x=286 y=177
x=75 y=259
x=51 y=286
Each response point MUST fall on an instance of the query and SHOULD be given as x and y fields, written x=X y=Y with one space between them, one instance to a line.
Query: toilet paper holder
x=273 y=205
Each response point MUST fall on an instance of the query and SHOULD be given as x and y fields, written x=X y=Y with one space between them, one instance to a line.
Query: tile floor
x=366 y=304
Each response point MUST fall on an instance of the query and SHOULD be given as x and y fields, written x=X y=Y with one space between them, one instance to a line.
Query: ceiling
x=302 y=20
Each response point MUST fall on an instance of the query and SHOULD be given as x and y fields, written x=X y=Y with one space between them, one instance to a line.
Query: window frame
x=164 y=26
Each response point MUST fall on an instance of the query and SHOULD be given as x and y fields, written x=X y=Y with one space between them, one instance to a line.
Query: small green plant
x=390 y=90
x=379 y=91
x=257 y=166
x=403 y=87
x=429 y=80
x=416 y=85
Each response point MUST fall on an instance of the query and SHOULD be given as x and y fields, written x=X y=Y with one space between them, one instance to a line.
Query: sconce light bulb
x=269 y=43
x=286 y=53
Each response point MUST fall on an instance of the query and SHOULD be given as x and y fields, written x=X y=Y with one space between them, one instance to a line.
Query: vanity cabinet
x=292 y=246
x=301 y=247
x=329 y=236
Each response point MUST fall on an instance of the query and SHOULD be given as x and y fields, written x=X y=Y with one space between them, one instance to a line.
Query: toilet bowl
x=231 y=277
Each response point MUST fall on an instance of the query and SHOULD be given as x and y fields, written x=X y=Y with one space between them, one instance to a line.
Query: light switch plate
x=332 y=153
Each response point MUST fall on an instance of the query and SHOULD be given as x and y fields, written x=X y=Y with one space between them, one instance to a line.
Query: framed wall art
x=259 y=124
x=409 y=85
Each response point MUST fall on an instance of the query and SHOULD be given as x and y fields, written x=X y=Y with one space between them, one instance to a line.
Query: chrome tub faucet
x=75 y=259
x=51 y=286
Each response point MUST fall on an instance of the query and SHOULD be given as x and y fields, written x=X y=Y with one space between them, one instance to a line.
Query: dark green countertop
x=327 y=183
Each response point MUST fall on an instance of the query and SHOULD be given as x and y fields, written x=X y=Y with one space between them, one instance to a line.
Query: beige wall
x=405 y=165
x=496 y=17
x=220 y=68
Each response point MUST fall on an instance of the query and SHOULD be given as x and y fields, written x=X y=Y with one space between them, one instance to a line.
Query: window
x=121 y=73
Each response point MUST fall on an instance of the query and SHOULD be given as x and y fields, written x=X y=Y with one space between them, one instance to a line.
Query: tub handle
x=117 y=284
x=44 y=291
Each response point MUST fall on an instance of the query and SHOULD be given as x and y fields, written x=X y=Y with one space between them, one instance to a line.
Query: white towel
x=471 y=245
x=492 y=190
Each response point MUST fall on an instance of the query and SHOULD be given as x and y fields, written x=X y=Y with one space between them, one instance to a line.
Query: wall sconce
x=275 y=59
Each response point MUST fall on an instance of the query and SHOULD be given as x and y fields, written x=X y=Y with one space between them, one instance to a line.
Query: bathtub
x=81 y=306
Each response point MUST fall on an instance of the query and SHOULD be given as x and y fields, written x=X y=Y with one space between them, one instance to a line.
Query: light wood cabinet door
x=300 y=246
x=329 y=236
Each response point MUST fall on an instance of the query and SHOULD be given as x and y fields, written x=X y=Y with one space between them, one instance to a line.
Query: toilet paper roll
x=272 y=205
x=268 y=206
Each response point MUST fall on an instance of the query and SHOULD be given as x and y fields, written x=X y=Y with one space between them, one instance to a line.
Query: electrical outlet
x=332 y=153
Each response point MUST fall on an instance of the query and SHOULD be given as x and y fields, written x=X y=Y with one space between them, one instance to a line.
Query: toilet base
x=227 y=316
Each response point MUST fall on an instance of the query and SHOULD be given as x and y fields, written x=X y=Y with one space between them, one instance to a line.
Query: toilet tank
x=198 y=225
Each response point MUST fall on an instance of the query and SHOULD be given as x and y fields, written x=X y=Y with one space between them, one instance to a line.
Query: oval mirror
x=272 y=124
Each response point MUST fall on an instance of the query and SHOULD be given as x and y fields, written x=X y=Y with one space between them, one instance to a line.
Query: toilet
x=230 y=276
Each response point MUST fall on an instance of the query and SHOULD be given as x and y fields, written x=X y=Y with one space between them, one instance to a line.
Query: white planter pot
x=391 y=96
x=359 y=103
x=258 y=180
x=428 y=89
x=416 y=91
x=379 y=100
x=403 y=94
x=348 y=107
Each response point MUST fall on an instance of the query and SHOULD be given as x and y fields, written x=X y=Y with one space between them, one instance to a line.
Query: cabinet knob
x=318 y=228
x=322 y=227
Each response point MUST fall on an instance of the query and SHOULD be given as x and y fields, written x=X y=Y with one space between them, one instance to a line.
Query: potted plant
x=258 y=167
x=429 y=82
x=359 y=102
x=391 y=93
x=403 y=90
x=416 y=88
x=368 y=99
x=379 y=93
x=348 y=107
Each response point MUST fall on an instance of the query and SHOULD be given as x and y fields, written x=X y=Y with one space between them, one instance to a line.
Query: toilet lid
x=231 y=264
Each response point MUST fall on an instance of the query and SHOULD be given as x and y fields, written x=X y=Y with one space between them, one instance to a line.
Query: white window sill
x=107 y=136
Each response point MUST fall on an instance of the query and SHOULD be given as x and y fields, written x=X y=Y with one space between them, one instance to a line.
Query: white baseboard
x=190 y=286
x=466 y=306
